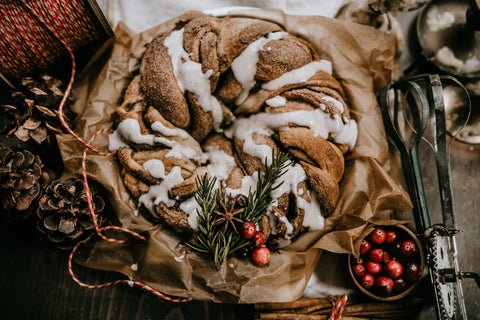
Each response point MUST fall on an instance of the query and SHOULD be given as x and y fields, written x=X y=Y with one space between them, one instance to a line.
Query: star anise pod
x=226 y=215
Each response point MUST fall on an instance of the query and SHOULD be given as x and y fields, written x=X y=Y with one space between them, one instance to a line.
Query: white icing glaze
x=159 y=127
x=129 y=131
x=264 y=123
x=335 y=102
x=190 y=207
x=292 y=177
x=289 y=226
x=277 y=101
x=178 y=150
x=221 y=164
x=190 y=77
x=115 y=141
x=155 y=167
x=299 y=75
x=159 y=192
x=244 y=66
x=249 y=183
x=313 y=218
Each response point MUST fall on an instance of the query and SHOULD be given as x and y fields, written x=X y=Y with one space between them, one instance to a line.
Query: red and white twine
x=338 y=304
x=67 y=21
x=31 y=31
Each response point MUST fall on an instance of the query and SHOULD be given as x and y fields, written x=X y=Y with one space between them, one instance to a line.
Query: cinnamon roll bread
x=220 y=96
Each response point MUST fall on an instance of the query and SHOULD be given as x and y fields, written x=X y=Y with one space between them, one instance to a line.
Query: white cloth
x=140 y=15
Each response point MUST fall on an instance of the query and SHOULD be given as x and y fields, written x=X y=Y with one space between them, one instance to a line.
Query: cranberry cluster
x=257 y=251
x=389 y=262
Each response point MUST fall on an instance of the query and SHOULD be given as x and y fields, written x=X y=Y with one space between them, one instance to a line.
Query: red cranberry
x=412 y=271
x=399 y=284
x=258 y=239
x=386 y=257
x=376 y=255
x=391 y=236
x=261 y=256
x=378 y=236
x=384 y=285
x=393 y=269
x=368 y=280
x=373 y=267
x=248 y=229
x=365 y=247
x=358 y=270
x=408 y=248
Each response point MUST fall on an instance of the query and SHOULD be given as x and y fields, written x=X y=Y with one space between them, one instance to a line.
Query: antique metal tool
x=413 y=110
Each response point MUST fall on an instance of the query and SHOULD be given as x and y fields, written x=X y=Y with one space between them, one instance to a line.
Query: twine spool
x=32 y=32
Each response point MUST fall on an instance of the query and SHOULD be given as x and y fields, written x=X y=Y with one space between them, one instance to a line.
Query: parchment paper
x=362 y=60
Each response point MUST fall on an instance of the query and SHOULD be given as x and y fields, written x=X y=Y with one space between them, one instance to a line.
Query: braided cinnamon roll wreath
x=219 y=96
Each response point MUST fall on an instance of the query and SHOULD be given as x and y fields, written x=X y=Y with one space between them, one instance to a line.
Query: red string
x=52 y=9
x=338 y=304
x=129 y=282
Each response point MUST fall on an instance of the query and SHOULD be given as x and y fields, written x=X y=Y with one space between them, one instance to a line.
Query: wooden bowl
x=403 y=233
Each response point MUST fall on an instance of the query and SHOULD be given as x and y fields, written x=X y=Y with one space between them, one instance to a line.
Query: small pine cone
x=64 y=215
x=32 y=110
x=22 y=180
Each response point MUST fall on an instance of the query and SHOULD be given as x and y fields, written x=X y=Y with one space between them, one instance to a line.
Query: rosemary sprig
x=209 y=238
x=206 y=198
x=259 y=200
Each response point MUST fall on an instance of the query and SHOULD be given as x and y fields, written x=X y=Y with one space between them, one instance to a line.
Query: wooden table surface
x=35 y=283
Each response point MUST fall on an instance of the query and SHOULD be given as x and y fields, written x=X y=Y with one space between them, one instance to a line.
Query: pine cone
x=32 y=111
x=64 y=215
x=22 y=179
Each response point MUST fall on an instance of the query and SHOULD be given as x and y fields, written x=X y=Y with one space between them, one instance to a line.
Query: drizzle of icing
x=244 y=66
x=335 y=102
x=129 y=131
x=155 y=167
x=277 y=101
x=159 y=127
x=265 y=123
x=221 y=164
x=190 y=77
x=313 y=218
x=190 y=207
x=159 y=192
x=294 y=175
x=115 y=141
x=299 y=75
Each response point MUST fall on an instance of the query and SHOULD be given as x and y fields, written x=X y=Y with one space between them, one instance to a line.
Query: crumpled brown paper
x=362 y=60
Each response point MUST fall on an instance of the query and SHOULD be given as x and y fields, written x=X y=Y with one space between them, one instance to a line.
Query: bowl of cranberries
x=390 y=264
